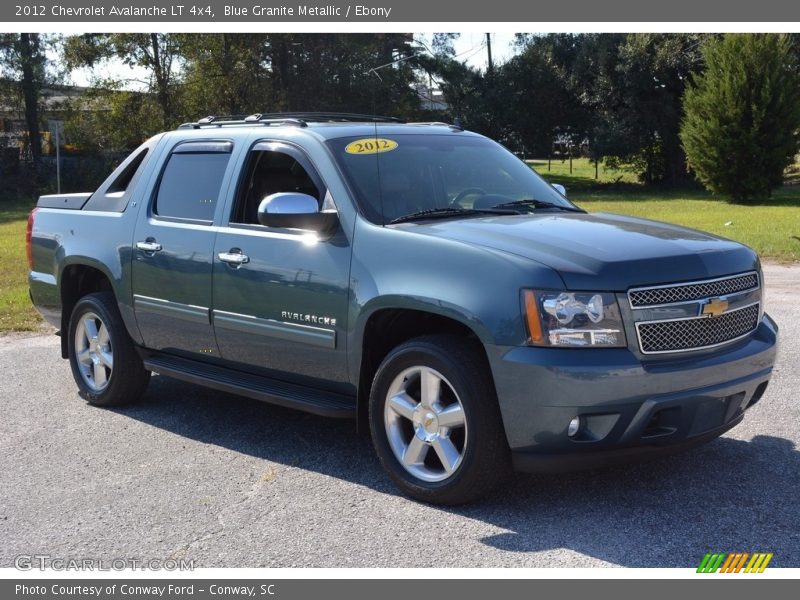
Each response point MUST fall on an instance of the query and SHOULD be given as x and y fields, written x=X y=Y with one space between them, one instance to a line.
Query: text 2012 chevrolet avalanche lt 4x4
x=416 y=276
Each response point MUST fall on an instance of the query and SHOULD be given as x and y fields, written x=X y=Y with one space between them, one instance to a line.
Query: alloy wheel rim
x=93 y=351
x=425 y=424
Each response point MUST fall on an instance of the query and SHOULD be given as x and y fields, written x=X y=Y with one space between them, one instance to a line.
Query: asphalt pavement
x=231 y=482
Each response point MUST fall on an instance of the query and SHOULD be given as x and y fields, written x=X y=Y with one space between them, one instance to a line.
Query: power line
x=374 y=70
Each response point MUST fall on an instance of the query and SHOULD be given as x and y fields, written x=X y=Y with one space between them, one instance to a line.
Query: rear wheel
x=104 y=361
x=435 y=421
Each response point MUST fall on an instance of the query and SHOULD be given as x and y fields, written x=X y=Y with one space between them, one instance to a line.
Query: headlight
x=573 y=319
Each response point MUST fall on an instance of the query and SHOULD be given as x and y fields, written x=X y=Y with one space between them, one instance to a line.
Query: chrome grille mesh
x=698 y=332
x=692 y=291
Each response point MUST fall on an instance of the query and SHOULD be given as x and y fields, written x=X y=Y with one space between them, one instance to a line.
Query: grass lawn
x=557 y=171
x=16 y=312
x=768 y=227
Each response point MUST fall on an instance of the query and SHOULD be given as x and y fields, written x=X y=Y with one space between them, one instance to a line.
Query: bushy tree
x=157 y=53
x=22 y=57
x=621 y=92
x=634 y=84
x=225 y=73
x=110 y=120
x=538 y=97
x=743 y=115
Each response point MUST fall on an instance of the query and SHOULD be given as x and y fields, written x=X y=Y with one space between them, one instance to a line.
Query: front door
x=172 y=250
x=280 y=295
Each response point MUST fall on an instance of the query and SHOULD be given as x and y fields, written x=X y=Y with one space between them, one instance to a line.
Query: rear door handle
x=234 y=257
x=148 y=246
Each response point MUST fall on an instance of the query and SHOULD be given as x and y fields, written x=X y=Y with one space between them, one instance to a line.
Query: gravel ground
x=230 y=482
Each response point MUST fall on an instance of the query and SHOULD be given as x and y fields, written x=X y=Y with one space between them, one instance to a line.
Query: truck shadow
x=729 y=495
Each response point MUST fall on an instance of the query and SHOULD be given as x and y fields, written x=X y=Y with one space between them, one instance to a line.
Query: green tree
x=110 y=120
x=247 y=73
x=355 y=72
x=155 y=52
x=541 y=100
x=622 y=92
x=633 y=85
x=743 y=115
x=225 y=73
x=22 y=57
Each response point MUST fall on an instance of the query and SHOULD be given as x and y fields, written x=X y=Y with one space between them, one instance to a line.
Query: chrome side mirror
x=294 y=210
x=560 y=189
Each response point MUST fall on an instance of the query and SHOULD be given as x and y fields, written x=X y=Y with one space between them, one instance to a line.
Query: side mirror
x=560 y=189
x=294 y=210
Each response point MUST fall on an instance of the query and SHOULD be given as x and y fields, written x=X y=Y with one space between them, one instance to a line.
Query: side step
x=327 y=404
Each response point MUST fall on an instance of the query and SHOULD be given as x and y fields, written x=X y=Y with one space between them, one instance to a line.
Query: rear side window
x=122 y=182
x=191 y=182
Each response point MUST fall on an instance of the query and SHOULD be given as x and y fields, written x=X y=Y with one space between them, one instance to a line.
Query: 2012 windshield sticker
x=370 y=146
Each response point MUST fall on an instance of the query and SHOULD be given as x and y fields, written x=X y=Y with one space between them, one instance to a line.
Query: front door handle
x=234 y=257
x=148 y=246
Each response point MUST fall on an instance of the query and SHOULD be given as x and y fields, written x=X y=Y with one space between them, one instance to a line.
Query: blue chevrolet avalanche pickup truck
x=414 y=276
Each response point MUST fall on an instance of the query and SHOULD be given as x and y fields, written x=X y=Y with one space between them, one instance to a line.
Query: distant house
x=431 y=97
x=54 y=101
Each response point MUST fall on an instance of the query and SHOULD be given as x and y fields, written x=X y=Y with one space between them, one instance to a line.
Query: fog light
x=574 y=426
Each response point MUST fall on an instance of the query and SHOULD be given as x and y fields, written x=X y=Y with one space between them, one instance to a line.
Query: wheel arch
x=388 y=326
x=76 y=280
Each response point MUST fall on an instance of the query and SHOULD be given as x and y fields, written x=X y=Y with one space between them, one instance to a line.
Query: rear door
x=172 y=249
x=281 y=310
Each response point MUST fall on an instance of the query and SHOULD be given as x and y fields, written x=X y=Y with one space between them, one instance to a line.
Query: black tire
x=485 y=460
x=127 y=379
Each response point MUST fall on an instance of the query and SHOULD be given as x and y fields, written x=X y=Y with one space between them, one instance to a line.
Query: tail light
x=28 y=236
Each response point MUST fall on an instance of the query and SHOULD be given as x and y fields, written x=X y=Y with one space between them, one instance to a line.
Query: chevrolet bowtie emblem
x=714 y=307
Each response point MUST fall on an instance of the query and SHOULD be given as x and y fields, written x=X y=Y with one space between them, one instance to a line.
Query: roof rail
x=452 y=126
x=323 y=117
x=299 y=119
x=214 y=121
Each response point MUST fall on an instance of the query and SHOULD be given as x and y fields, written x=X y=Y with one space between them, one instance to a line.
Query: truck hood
x=593 y=251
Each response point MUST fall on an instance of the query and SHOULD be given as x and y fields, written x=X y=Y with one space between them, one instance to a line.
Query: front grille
x=697 y=332
x=655 y=296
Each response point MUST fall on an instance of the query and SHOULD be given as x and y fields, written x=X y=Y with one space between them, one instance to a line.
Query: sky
x=502 y=48
x=470 y=47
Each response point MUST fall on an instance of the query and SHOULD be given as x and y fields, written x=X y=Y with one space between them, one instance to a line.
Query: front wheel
x=104 y=362
x=435 y=421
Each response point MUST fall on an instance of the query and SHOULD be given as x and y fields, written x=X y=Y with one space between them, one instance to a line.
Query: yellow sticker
x=370 y=146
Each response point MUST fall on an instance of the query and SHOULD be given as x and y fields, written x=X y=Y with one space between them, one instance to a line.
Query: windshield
x=398 y=175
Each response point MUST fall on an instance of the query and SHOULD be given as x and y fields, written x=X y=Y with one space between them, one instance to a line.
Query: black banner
x=392 y=11
x=397 y=589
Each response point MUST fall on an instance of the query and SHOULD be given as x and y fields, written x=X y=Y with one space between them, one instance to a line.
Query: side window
x=191 y=182
x=121 y=183
x=269 y=172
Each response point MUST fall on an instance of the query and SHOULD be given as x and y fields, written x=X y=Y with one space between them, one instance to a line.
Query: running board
x=289 y=395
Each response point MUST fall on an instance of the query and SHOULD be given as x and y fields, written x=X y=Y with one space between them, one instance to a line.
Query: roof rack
x=215 y=121
x=452 y=126
x=328 y=117
x=298 y=119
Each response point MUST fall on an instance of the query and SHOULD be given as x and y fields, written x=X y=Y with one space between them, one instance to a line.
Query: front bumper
x=630 y=409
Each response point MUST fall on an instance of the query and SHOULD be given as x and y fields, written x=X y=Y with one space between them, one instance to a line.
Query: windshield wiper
x=452 y=211
x=533 y=202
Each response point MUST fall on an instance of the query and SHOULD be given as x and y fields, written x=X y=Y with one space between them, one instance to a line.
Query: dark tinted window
x=190 y=185
x=270 y=172
x=122 y=182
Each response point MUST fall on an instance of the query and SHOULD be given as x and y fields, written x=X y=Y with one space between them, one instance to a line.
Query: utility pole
x=58 y=160
x=489 y=50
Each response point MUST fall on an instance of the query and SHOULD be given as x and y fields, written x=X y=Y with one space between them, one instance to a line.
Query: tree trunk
x=162 y=75
x=32 y=73
x=279 y=58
